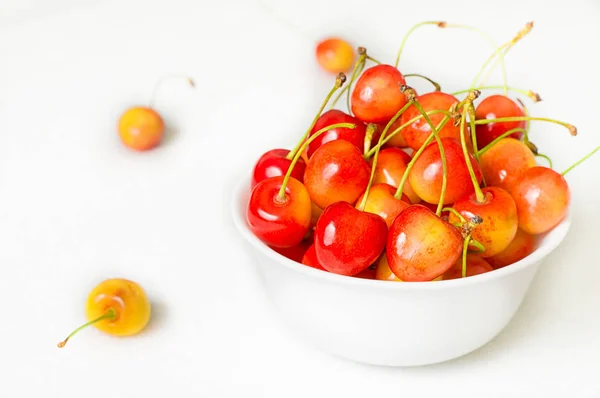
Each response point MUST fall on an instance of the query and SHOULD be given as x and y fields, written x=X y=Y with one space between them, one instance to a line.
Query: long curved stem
x=281 y=194
x=358 y=66
x=589 y=155
x=535 y=97
x=498 y=139
x=572 y=129
x=339 y=81
x=435 y=84
x=110 y=313
x=410 y=32
x=478 y=193
x=464 y=255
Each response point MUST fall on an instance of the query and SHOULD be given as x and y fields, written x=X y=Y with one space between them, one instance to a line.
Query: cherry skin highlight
x=505 y=162
x=273 y=164
x=390 y=167
x=279 y=222
x=521 y=246
x=475 y=266
x=335 y=55
x=355 y=136
x=496 y=107
x=426 y=175
x=141 y=128
x=310 y=258
x=542 y=197
x=347 y=240
x=377 y=97
x=381 y=201
x=499 y=214
x=336 y=172
x=421 y=246
x=417 y=133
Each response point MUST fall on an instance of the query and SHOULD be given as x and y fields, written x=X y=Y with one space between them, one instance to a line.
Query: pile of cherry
x=408 y=186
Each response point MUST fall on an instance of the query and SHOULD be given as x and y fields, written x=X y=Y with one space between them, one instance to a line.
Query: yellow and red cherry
x=347 y=240
x=336 y=172
x=383 y=271
x=274 y=163
x=142 y=128
x=390 y=169
x=118 y=307
x=416 y=133
x=496 y=107
x=476 y=265
x=381 y=201
x=521 y=246
x=421 y=246
x=335 y=55
x=426 y=175
x=279 y=219
x=355 y=136
x=376 y=97
x=498 y=211
x=310 y=258
x=505 y=161
x=542 y=197
x=396 y=140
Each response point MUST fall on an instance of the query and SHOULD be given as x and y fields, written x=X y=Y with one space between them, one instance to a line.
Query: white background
x=77 y=207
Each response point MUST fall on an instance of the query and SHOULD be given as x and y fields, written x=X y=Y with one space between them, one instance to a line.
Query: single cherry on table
x=335 y=55
x=119 y=307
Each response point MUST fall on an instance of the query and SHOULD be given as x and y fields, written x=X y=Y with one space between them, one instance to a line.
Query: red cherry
x=368 y=273
x=336 y=172
x=421 y=246
x=377 y=97
x=542 y=197
x=500 y=221
x=495 y=107
x=355 y=136
x=521 y=246
x=347 y=240
x=310 y=258
x=275 y=163
x=475 y=266
x=381 y=201
x=279 y=222
x=294 y=253
x=417 y=133
x=426 y=175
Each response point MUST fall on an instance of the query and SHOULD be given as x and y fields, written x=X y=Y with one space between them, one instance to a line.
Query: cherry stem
x=405 y=125
x=464 y=255
x=371 y=127
x=541 y=155
x=503 y=50
x=477 y=244
x=441 y=24
x=356 y=71
x=373 y=60
x=535 y=97
x=409 y=166
x=160 y=82
x=478 y=193
x=434 y=83
x=456 y=213
x=110 y=313
x=339 y=82
x=471 y=112
x=589 y=155
x=412 y=99
x=305 y=144
x=498 y=139
x=572 y=129
x=527 y=124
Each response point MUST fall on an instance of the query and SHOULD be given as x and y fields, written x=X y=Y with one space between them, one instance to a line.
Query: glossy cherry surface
x=381 y=201
x=273 y=164
x=390 y=167
x=505 y=162
x=475 y=266
x=355 y=136
x=496 y=107
x=521 y=246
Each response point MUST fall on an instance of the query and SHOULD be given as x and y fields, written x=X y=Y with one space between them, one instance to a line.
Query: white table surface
x=76 y=207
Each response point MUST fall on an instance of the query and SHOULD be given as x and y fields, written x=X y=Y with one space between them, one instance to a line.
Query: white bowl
x=392 y=323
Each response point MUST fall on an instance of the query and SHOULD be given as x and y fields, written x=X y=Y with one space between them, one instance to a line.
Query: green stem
x=477 y=244
x=408 y=35
x=360 y=63
x=363 y=203
x=570 y=127
x=110 y=313
x=464 y=256
x=541 y=155
x=339 y=81
x=305 y=144
x=589 y=155
x=478 y=193
x=456 y=213
x=471 y=113
x=498 y=139
x=409 y=166
x=405 y=125
x=533 y=95
x=373 y=60
x=434 y=83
